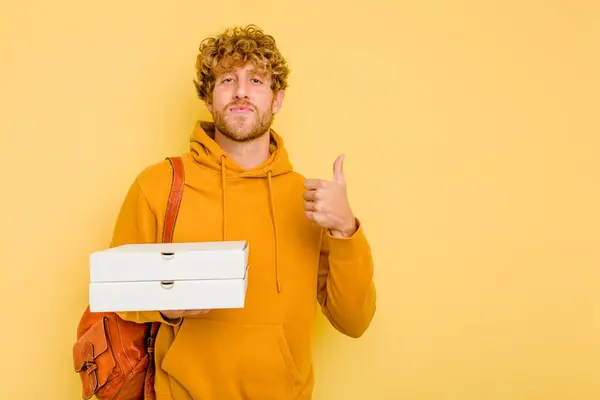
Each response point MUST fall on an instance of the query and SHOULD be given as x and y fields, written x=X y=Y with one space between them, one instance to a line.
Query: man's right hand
x=174 y=314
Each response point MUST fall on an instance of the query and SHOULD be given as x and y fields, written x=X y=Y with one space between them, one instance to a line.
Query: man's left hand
x=326 y=202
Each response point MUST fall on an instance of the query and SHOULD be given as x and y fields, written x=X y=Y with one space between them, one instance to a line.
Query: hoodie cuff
x=351 y=248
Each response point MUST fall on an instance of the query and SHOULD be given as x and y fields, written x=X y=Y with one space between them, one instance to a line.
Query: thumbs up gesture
x=326 y=202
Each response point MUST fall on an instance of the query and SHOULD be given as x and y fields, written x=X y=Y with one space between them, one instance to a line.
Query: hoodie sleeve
x=136 y=224
x=346 y=291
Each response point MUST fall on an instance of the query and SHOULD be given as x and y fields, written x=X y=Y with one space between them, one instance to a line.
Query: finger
x=312 y=215
x=196 y=312
x=310 y=206
x=310 y=195
x=313 y=184
x=317 y=217
x=338 y=169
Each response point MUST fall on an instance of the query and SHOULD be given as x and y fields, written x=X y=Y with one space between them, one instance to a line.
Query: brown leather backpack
x=113 y=357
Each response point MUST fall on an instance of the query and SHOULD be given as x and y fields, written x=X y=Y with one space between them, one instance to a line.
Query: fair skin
x=243 y=105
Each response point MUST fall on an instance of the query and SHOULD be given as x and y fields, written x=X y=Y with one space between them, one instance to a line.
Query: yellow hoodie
x=262 y=351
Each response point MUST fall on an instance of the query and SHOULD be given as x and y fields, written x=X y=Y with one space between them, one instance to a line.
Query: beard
x=238 y=127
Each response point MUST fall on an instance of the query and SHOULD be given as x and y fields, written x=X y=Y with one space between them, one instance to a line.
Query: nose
x=241 y=91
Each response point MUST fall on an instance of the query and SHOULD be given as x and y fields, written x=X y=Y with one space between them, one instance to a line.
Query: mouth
x=241 y=109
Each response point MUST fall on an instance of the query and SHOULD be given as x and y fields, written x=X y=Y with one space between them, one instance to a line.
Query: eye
x=227 y=80
x=256 y=80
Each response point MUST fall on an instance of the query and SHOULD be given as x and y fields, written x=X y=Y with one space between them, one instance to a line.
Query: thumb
x=338 y=170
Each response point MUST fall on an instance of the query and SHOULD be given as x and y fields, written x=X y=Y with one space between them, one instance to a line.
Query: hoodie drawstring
x=272 y=207
x=224 y=189
x=272 y=201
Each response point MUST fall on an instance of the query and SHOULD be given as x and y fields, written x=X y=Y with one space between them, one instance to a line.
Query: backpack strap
x=173 y=204
x=174 y=201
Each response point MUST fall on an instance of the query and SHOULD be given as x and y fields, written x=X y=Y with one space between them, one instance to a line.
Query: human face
x=243 y=103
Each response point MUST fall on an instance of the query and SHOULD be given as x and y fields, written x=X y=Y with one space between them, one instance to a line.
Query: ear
x=277 y=101
x=208 y=104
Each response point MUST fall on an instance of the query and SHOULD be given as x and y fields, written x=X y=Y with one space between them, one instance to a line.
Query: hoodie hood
x=206 y=152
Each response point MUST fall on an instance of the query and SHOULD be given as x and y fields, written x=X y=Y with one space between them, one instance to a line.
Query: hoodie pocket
x=216 y=359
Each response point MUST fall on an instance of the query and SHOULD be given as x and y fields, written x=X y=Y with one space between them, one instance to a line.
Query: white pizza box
x=169 y=276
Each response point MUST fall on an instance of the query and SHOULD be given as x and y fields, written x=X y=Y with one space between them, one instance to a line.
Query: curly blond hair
x=236 y=46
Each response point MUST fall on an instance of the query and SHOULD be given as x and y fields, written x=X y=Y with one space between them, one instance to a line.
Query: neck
x=249 y=154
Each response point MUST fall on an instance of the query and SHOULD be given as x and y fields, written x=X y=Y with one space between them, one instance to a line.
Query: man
x=306 y=246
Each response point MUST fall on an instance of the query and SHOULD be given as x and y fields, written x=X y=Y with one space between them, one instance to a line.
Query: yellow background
x=471 y=135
